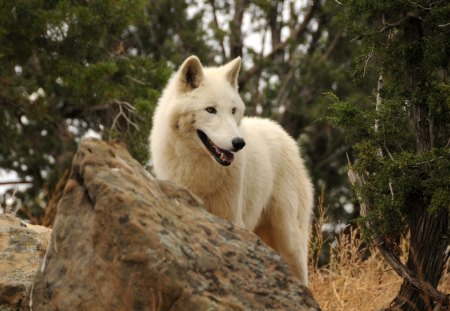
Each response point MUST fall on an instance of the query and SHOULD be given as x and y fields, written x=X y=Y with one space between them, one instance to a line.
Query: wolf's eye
x=211 y=109
x=233 y=111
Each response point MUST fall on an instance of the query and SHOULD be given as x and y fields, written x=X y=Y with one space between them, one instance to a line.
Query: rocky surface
x=22 y=247
x=50 y=209
x=123 y=240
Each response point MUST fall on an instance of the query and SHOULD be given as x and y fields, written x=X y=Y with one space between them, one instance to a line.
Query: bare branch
x=123 y=106
x=136 y=80
x=15 y=182
x=274 y=23
x=236 y=42
x=298 y=33
x=282 y=93
x=371 y=54
x=378 y=99
x=392 y=191
x=257 y=95
x=332 y=46
x=387 y=150
x=420 y=6
x=263 y=42
x=127 y=104
x=216 y=22
x=406 y=274
x=426 y=162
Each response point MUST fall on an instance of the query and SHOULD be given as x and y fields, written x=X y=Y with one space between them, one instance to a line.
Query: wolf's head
x=210 y=108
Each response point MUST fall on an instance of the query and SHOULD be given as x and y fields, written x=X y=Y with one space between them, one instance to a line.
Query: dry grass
x=351 y=283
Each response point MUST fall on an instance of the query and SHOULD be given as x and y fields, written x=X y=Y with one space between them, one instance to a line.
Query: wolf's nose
x=238 y=143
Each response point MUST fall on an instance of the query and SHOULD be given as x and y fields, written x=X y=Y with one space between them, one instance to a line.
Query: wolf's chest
x=203 y=179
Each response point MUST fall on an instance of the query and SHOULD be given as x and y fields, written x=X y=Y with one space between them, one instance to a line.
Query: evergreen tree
x=65 y=70
x=401 y=157
x=168 y=32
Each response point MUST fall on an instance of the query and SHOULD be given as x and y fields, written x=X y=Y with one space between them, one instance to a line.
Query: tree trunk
x=426 y=257
x=275 y=27
x=236 y=43
x=428 y=242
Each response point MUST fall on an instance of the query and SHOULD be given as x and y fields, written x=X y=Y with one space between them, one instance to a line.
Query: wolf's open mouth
x=222 y=156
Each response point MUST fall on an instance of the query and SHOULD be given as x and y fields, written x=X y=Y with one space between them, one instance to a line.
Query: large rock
x=22 y=247
x=123 y=240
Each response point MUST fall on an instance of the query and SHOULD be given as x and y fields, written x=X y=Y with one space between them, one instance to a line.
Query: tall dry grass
x=350 y=282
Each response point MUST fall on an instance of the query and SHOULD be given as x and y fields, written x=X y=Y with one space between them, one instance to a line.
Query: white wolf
x=198 y=127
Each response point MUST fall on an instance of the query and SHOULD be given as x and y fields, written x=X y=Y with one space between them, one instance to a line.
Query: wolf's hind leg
x=288 y=236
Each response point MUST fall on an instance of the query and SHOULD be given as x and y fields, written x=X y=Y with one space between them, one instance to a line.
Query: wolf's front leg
x=238 y=221
x=236 y=206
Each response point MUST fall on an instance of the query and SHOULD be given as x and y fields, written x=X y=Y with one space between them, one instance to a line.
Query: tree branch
x=236 y=44
x=123 y=106
x=216 y=22
x=405 y=273
x=15 y=182
x=391 y=255
x=293 y=37
x=332 y=46
x=275 y=25
x=388 y=26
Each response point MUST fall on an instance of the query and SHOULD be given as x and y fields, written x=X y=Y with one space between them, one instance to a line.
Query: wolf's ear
x=232 y=71
x=191 y=73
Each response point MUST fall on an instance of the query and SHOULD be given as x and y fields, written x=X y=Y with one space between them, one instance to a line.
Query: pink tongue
x=229 y=156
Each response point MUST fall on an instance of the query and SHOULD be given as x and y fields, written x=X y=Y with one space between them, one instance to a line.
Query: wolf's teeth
x=222 y=157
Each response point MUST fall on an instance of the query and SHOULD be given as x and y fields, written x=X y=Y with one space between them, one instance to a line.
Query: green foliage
x=353 y=118
x=166 y=32
x=397 y=177
x=65 y=70
x=141 y=80
x=396 y=182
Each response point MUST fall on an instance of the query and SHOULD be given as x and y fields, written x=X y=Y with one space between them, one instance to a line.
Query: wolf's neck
x=199 y=172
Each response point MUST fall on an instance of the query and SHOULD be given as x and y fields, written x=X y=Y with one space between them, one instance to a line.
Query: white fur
x=266 y=188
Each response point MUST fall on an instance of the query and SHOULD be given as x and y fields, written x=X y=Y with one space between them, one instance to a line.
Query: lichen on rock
x=124 y=240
